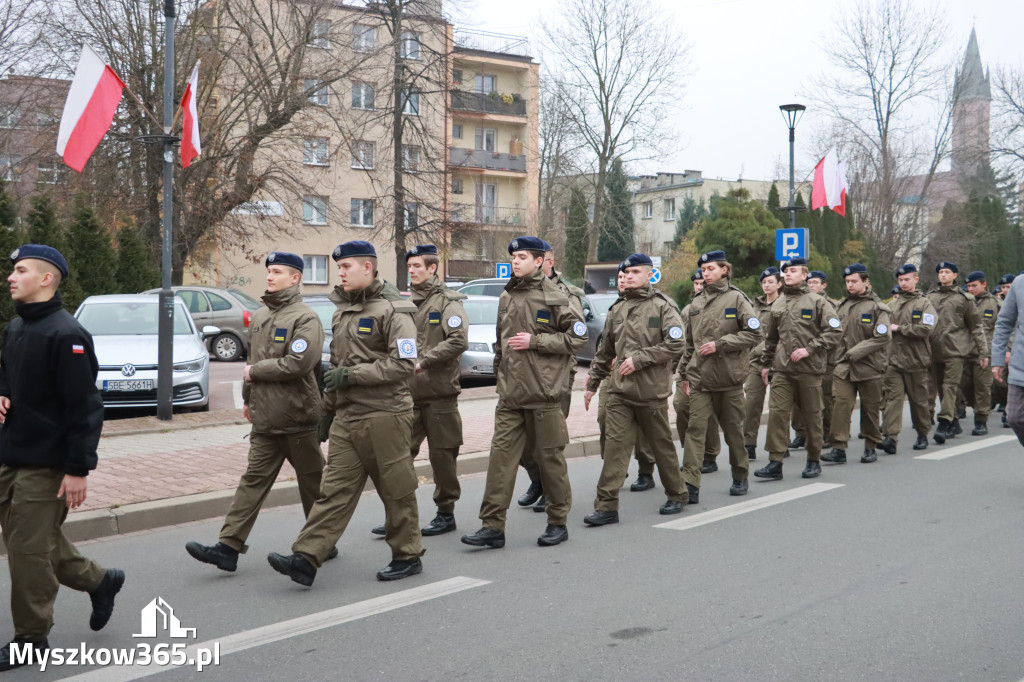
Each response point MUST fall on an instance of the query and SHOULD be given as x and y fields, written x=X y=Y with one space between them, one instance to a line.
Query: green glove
x=336 y=379
x=323 y=428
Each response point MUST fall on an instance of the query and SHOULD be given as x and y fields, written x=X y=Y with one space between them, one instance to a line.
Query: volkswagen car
x=124 y=333
x=478 y=359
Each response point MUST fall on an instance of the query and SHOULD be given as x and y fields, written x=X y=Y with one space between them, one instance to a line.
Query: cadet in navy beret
x=947 y=265
x=854 y=268
x=622 y=266
x=794 y=261
x=896 y=291
x=1006 y=279
x=284 y=258
x=976 y=276
x=354 y=249
x=712 y=257
x=698 y=275
x=421 y=250
x=41 y=252
x=817 y=274
x=637 y=259
x=771 y=271
x=528 y=244
x=906 y=269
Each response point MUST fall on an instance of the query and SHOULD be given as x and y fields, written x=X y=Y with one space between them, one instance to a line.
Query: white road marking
x=689 y=522
x=276 y=632
x=967 y=447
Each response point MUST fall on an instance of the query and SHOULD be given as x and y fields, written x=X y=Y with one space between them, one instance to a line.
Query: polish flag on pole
x=89 y=110
x=829 y=188
x=190 y=146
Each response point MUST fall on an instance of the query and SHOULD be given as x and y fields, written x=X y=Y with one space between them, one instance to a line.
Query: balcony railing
x=491 y=104
x=492 y=42
x=488 y=215
x=479 y=158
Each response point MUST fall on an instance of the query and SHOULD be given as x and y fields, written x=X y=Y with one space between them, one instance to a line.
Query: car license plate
x=135 y=385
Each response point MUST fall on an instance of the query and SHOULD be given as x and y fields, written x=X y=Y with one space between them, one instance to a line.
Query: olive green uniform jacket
x=442 y=334
x=862 y=353
x=915 y=319
x=800 y=319
x=959 y=323
x=723 y=314
x=988 y=308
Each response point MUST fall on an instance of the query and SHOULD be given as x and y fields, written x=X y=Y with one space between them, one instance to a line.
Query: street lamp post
x=792 y=113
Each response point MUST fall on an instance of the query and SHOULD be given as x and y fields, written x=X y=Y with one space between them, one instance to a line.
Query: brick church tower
x=971 y=113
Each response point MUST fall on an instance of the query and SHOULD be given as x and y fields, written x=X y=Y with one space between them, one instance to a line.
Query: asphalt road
x=907 y=569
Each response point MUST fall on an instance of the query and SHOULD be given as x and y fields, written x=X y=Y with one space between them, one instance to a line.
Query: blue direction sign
x=503 y=270
x=655 y=275
x=791 y=243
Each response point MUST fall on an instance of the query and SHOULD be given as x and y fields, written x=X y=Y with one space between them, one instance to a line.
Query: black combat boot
x=532 y=493
x=103 y=598
x=835 y=455
x=751 y=451
x=643 y=482
x=942 y=431
x=869 y=456
x=220 y=555
x=694 y=493
x=485 y=537
x=601 y=517
x=772 y=471
x=980 y=428
x=798 y=442
x=812 y=470
x=709 y=466
x=888 y=446
x=294 y=566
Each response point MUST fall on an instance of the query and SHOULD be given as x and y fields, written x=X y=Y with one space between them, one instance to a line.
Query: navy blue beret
x=794 y=261
x=769 y=271
x=528 y=244
x=697 y=274
x=622 y=266
x=636 y=259
x=976 y=276
x=818 y=274
x=1006 y=279
x=353 y=250
x=947 y=265
x=854 y=268
x=906 y=269
x=285 y=258
x=41 y=252
x=896 y=290
x=421 y=250
x=711 y=257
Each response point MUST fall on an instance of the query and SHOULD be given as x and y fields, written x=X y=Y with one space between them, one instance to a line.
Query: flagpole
x=165 y=349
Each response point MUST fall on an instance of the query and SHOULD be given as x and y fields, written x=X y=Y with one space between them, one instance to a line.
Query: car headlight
x=190 y=366
x=479 y=348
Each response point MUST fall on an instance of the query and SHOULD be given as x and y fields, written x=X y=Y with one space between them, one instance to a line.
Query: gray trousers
x=1015 y=410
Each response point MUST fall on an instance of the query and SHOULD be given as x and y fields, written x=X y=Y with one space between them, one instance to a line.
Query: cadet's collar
x=278 y=299
x=646 y=291
x=425 y=289
x=529 y=282
x=361 y=295
x=40 y=309
x=945 y=288
x=717 y=287
x=801 y=288
x=861 y=297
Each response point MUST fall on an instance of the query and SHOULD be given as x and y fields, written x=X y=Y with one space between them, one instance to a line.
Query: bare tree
x=1008 y=131
x=560 y=150
x=16 y=34
x=621 y=65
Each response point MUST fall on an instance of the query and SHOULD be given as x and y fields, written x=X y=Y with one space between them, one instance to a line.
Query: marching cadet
x=643 y=332
x=817 y=282
x=720 y=330
x=754 y=388
x=912 y=323
x=52 y=416
x=959 y=333
x=538 y=330
x=1004 y=286
x=802 y=331
x=281 y=395
x=860 y=365
x=976 y=383
x=535 y=494
x=367 y=417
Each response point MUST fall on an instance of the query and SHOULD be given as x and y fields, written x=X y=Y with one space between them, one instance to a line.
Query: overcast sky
x=748 y=57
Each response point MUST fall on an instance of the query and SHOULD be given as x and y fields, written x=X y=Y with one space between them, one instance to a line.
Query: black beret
x=853 y=269
x=421 y=250
x=697 y=274
x=638 y=259
x=711 y=257
x=769 y=271
x=816 y=274
x=528 y=244
x=947 y=265
x=976 y=276
x=794 y=261
x=285 y=258
x=353 y=250
x=41 y=252
x=896 y=290
x=906 y=269
x=1006 y=279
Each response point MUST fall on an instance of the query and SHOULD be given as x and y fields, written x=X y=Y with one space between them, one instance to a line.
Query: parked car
x=124 y=332
x=595 y=310
x=482 y=315
x=229 y=309
x=491 y=286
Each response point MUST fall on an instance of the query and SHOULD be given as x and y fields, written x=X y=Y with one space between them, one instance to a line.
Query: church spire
x=971 y=80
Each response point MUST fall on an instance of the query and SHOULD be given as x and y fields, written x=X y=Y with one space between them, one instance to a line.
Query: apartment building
x=30 y=110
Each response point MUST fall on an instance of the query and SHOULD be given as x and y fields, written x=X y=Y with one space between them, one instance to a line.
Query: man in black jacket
x=52 y=416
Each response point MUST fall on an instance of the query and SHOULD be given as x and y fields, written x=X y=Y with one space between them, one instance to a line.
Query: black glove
x=323 y=428
x=336 y=379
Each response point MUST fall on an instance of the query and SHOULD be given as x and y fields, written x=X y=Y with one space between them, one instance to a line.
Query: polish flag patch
x=78 y=350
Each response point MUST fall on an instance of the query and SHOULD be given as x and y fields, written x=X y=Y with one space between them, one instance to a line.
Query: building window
x=648 y=209
x=363 y=154
x=364 y=38
x=316 y=91
x=412 y=216
x=314 y=210
x=9 y=115
x=456 y=76
x=315 y=151
x=362 y=212
x=49 y=172
x=362 y=96
x=314 y=269
x=318 y=36
x=411 y=102
x=456 y=185
x=486 y=139
x=485 y=84
x=410 y=158
x=457 y=131
x=410 y=45
x=670 y=209
x=9 y=168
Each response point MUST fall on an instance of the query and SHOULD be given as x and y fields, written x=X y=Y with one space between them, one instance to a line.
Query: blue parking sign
x=503 y=270
x=791 y=243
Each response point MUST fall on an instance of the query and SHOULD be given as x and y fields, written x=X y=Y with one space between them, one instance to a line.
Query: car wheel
x=227 y=348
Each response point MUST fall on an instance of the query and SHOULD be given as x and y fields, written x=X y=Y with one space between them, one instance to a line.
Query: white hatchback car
x=124 y=333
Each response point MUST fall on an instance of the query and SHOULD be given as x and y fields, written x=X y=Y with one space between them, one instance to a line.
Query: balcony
x=490 y=104
x=485 y=41
x=488 y=215
x=459 y=157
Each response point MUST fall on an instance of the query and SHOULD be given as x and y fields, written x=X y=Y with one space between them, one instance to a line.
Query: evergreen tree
x=91 y=256
x=135 y=271
x=690 y=216
x=618 y=237
x=43 y=226
x=577 y=235
x=773 y=198
x=10 y=238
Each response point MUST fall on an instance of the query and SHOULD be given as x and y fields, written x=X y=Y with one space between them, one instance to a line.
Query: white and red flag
x=89 y=110
x=829 y=188
x=190 y=146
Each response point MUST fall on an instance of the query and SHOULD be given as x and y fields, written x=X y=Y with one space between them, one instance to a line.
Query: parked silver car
x=229 y=309
x=595 y=310
x=490 y=286
x=324 y=309
x=482 y=314
x=124 y=333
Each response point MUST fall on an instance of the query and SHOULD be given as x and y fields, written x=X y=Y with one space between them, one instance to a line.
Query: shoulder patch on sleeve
x=928 y=319
x=675 y=332
x=753 y=323
x=455 y=321
x=882 y=329
x=406 y=348
x=834 y=322
x=579 y=328
x=299 y=345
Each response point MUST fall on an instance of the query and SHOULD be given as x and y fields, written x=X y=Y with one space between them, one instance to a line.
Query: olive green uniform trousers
x=623 y=421
x=828 y=407
x=914 y=385
x=712 y=442
x=529 y=461
x=944 y=384
x=267 y=453
x=377 y=447
x=439 y=422
x=39 y=556
x=755 y=391
x=644 y=458
x=845 y=393
x=542 y=431
x=793 y=392
x=976 y=389
x=708 y=409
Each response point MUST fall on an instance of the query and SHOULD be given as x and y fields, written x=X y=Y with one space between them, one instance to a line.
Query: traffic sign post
x=655 y=275
x=503 y=270
x=791 y=243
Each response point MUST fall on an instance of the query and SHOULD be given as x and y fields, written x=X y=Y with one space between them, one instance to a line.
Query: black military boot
x=888 y=446
x=671 y=507
x=643 y=482
x=812 y=470
x=835 y=455
x=709 y=466
x=955 y=429
x=532 y=493
x=399 y=569
x=294 y=566
x=442 y=523
x=382 y=529
x=36 y=647
x=921 y=443
x=961 y=413
x=751 y=451
x=1006 y=424
x=772 y=471
x=869 y=456
x=103 y=598
x=220 y=555
x=553 y=535
x=485 y=537
x=541 y=506
x=942 y=431
x=980 y=429
x=601 y=517
x=738 y=488
x=798 y=442
x=694 y=492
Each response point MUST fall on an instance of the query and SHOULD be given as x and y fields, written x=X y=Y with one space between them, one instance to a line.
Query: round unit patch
x=754 y=323
x=881 y=329
x=299 y=345
x=579 y=329
x=454 y=321
x=675 y=332
x=833 y=322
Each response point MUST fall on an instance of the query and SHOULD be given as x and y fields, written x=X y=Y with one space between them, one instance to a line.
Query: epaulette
x=552 y=294
x=743 y=293
x=671 y=301
x=575 y=291
x=391 y=294
x=453 y=295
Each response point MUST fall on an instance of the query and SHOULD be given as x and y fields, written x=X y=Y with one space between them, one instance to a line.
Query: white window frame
x=314 y=269
x=481 y=82
x=410 y=47
x=316 y=151
x=457 y=186
x=49 y=172
x=648 y=210
x=10 y=115
x=411 y=155
x=670 y=210
x=361 y=92
x=319 y=35
x=320 y=96
x=360 y=211
x=480 y=140
x=412 y=215
x=314 y=210
x=364 y=37
x=456 y=131
x=364 y=154
x=9 y=171
x=411 y=101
